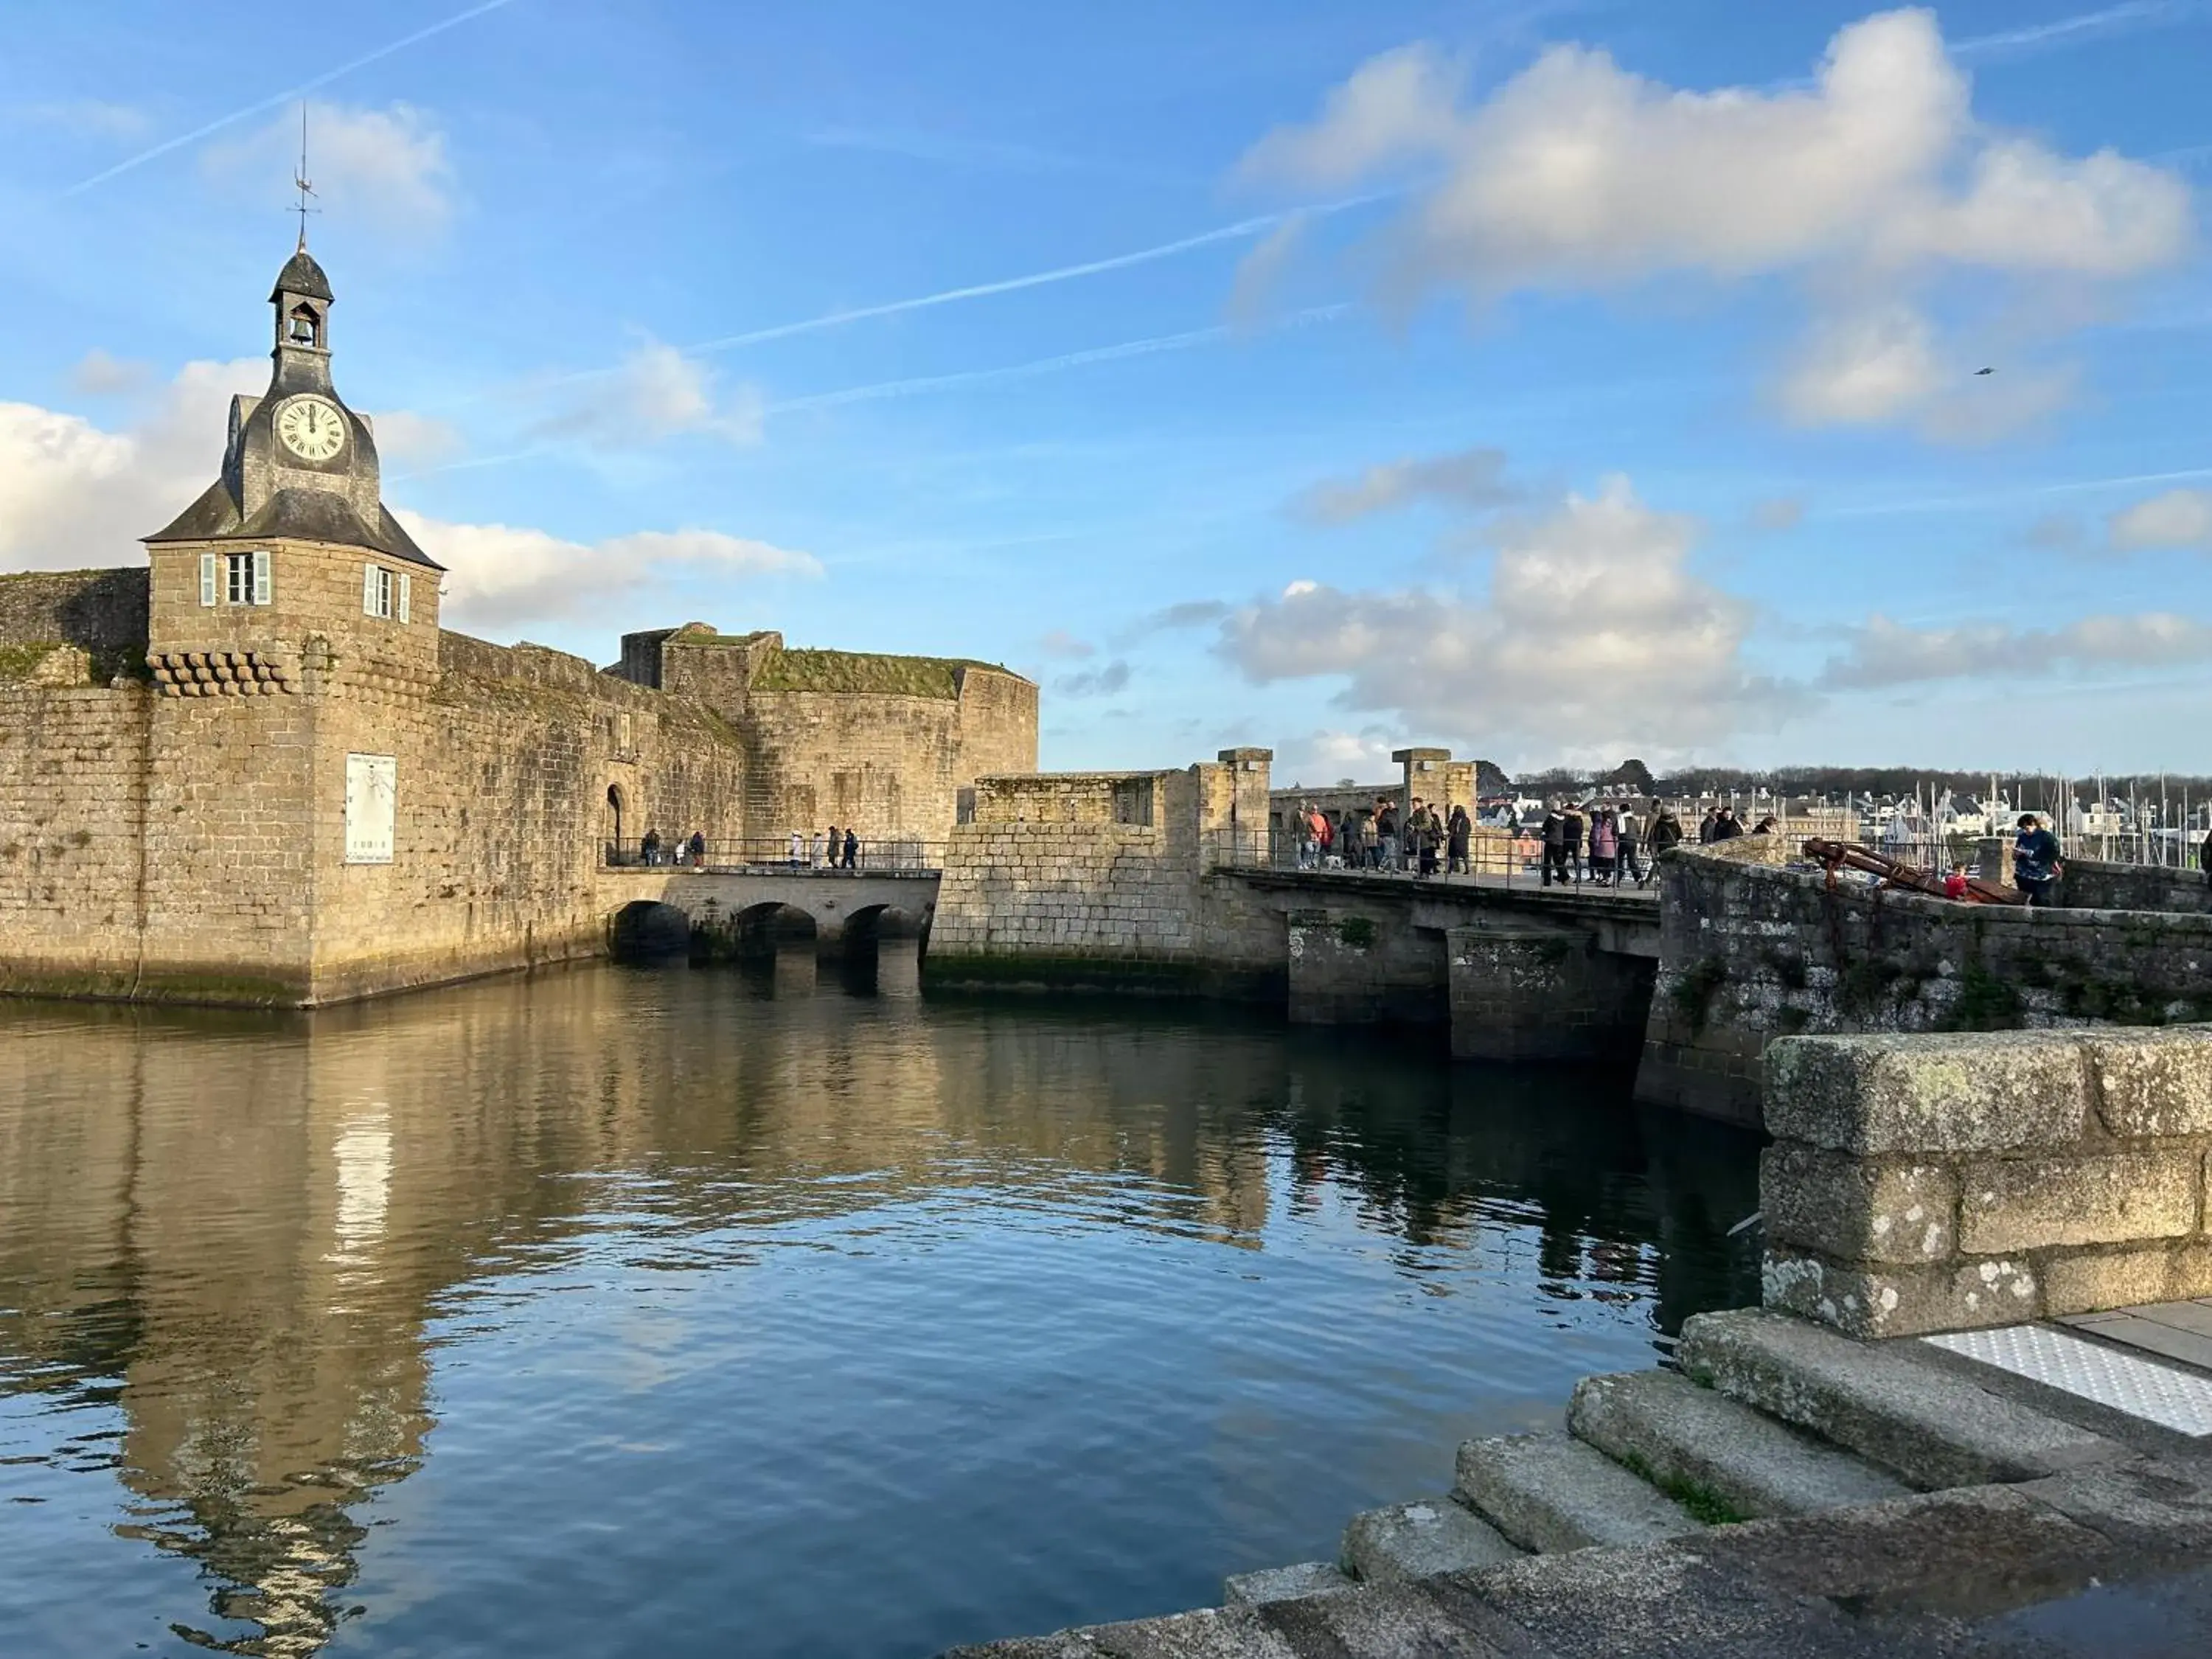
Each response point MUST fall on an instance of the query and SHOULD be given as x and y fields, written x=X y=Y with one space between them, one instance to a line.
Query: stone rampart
x=101 y=613
x=1943 y=1182
x=1750 y=951
x=883 y=743
x=2091 y=886
x=1094 y=880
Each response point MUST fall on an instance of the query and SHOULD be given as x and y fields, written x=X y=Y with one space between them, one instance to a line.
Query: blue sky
x=1555 y=381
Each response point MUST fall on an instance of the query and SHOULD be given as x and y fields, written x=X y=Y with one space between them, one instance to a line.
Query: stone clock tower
x=289 y=567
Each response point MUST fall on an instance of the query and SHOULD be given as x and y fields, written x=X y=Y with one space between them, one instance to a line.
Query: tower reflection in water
x=235 y=1250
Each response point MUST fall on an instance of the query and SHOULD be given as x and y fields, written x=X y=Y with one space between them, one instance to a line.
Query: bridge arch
x=647 y=929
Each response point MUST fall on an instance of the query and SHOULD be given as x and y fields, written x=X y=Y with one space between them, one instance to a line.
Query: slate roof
x=301 y=275
x=310 y=515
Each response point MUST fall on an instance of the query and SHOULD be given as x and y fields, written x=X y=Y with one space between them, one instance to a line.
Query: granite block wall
x=1751 y=951
x=1948 y=1181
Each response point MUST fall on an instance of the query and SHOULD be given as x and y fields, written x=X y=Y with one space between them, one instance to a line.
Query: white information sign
x=372 y=794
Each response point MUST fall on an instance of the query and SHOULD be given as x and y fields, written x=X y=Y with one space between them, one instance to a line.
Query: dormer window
x=307 y=329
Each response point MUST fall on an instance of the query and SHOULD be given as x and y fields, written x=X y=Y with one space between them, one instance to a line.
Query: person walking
x=1630 y=869
x=1707 y=825
x=798 y=849
x=1352 y=845
x=1604 y=846
x=648 y=846
x=2036 y=863
x=1386 y=830
x=1459 y=832
x=1428 y=836
x=1666 y=832
x=1555 y=845
x=815 y=861
x=852 y=846
x=1577 y=828
x=698 y=848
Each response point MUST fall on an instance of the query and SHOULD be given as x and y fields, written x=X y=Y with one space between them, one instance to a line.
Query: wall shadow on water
x=228 y=1240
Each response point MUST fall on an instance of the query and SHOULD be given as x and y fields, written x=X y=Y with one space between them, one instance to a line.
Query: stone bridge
x=753 y=910
x=1517 y=972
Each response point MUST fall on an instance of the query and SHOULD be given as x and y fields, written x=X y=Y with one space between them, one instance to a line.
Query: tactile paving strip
x=2179 y=1399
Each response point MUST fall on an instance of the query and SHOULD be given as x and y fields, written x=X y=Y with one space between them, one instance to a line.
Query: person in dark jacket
x=1555 y=846
x=1576 y=827
x=649 y=846
x=697 y=848
x=1726 y=826
x=852 y=846
x=1630 y=869
x=1459 y=830
x=2036 y=864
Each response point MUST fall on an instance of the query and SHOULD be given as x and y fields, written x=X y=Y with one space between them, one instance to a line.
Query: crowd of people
x=1372 y=838
x=1601 y=842
x=834 y=849
x=691 y=851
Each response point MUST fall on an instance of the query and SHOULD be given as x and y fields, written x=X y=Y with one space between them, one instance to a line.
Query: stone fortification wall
x=1750 y=951
x=503 y=806
x=2090 y=885
x=101 y=613
x=1094 y=880
x=72 y=823
x=159 y=845
x=1932 y=1183
x=885 y=743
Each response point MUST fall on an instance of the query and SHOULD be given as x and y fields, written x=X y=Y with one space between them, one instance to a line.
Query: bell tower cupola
x=302 y=302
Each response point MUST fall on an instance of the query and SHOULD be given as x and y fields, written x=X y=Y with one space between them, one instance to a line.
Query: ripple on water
x=619 y=1313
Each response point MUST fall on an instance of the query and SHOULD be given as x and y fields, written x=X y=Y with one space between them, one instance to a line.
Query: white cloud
x=406 y=438
x=504 y=576
x=99 y=373
x=1576 y=173
x=76 y=495
x=1469 y=477
x=2179 y=518
x=1593 y=631
x=388 y=167
x=658 y=393
x=1883 y=652
x=1868 y=367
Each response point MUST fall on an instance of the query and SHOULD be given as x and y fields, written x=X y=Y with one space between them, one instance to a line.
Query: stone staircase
x=1766 y=1417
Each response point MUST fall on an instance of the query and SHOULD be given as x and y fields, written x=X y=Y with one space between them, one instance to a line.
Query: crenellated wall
x=181 y=832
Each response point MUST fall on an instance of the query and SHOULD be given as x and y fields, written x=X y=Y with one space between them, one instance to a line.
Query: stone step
x=1291 y=1584
x=1549 y=1492
x=1884 y=1401
x=1413 y=1541
x=1721 y=1459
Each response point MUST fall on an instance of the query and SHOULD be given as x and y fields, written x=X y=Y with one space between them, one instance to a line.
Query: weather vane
x=301 y=182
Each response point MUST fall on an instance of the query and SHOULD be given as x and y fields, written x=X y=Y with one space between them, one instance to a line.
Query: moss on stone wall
x=863 y=670
x=17 y=662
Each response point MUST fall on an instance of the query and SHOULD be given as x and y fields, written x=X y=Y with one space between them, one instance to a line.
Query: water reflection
x=248 y=1264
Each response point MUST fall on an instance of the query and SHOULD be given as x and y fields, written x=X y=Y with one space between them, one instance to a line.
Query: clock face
x=313 y=428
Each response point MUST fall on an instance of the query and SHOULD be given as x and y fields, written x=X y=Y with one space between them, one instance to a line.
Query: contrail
x=286 y=97
x=1196 y=337
x=2036 y=35
x=1242 y=230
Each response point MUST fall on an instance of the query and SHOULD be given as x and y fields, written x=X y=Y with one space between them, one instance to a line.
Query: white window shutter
x=207 y=579
x=261 y=575
x=406 y=597
x=369 y=590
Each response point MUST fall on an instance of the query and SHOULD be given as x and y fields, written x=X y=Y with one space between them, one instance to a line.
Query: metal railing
x=777 y=854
